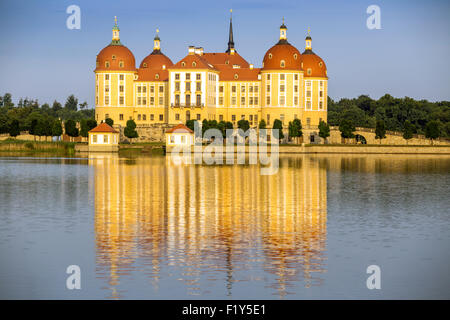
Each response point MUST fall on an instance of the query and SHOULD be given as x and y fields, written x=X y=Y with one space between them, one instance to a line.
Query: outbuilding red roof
x=180 y=128
x=103 y=127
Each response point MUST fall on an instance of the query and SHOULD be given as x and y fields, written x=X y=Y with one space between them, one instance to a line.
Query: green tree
x=109 y=121
x=432 y=130
x=324 y=130
x=205 y=126
x=347 y=128
x=71 y=103
x=71 y=128
x=243 y=124
x=295 y=129
x=4 y=125
x=262 y=124
x=83 y=105
x=380 y=130
x=278 y=125
x=130 y=130
x=191 y=124
x=56 y=128
x=56 y=106
x=14 y=128
x=408 y=130
x=83 y=128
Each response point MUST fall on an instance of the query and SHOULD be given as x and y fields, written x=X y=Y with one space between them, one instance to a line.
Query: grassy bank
x=14 y=145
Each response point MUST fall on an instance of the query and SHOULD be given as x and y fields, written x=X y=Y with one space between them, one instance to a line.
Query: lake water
x=146 y=228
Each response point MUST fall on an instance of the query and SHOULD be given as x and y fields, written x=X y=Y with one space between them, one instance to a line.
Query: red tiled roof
x=200 y=63
x=180 y=128
x=103 y=127
x=216 y=58
x=243 y=74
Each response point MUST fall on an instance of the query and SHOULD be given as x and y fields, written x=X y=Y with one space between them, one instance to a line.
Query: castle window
x=282 y=64
x=152 y=101
x=282 y=76
x=106 y=77
x=183 y=64
x=161 y=101
x=243 y=101
x=188 y=76
x=121 y=77
x=107 y=64
x=139 y=117
x=144 y=64
x=121 y=116
x=243 y=89
x=270 y=56
x=121 y=101
x=157 y=76
x=282 y=100
x=152 y=89
x=308 y=104
x=268 y=77
x=199 y=116
x=177 y=76
x=199 y=86
x=295 y=56
x=120 y=88
x=233 y=89
x=113 y=57
x=194 y=64
x=268 y=101
x=221 y=100
x=236 y=76
x=320 y=64
x=282 y=88
x=233 y=117
x=199 y=100
x=152 y=117
x=161 y=89
x=309 y=71
x=199 y=76
x=320 y=104
x=120 y=64
x=161 y=117
x=296 y=77
x=221 y=89
x=144 y=117
x=177 y=116
x=296 y=101
x=227 y=62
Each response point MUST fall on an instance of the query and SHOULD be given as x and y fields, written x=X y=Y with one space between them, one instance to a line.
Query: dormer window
x=320 y=64
x=282 y=64
x=114 y=57
x=157 y=76
x=309 y=71
x=270 y=56
x=183 y=64
x=120 y=64
x=194 y=64
x=144 y=64
x=227 y=62
x=295 y=56
x=106 y=64
x=236 y=76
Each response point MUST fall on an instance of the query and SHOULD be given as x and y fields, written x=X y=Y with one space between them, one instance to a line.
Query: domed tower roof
x=312 y=64
x=283 y=55
x=115 y=56
x=154 y=66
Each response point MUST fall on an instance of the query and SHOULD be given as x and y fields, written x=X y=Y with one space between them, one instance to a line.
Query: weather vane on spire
x=115 y=20
x=309 y=30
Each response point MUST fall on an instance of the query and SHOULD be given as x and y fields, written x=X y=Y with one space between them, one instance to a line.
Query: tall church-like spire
x=231 y=49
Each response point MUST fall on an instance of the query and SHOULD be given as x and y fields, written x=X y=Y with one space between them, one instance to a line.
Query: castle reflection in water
x=212 y=223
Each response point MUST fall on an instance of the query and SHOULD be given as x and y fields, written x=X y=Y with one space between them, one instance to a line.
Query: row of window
x=143 y=89
x=198 y=76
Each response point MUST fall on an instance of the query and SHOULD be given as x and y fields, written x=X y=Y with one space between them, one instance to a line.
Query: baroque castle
x=214 y=86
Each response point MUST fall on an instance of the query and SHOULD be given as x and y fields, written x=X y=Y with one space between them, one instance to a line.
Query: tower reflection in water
x=224 y=224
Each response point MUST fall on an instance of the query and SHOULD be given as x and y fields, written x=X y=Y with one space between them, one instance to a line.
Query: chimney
x=191 y=50
x=199 y=51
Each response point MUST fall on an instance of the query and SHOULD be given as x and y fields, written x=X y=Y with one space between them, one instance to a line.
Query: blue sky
x=40 y=58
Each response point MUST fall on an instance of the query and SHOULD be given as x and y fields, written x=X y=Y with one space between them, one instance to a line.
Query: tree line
x=45 y=120
x=394 y=114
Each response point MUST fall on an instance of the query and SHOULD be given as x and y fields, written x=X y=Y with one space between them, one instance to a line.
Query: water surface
x=148 y=229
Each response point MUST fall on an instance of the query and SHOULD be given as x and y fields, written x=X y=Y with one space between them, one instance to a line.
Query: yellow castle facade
x=214 y=86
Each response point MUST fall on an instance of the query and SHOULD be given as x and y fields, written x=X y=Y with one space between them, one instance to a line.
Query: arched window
x=144 y=64
x=157 y=76
x=282 y=64
x=320 y=64
x=309 y=71
x=183 y=64
x=120 y=64
x=236 y=76
x=194 y=64
x=270 y=56
x=114 y=57
x=295 y=56
x=107 y=64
